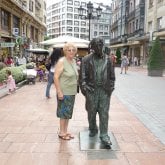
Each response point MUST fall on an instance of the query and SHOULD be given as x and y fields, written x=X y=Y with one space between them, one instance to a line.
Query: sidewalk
x=29 y=126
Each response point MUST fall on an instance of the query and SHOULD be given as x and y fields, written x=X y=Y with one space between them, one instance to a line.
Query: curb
x=19 y=85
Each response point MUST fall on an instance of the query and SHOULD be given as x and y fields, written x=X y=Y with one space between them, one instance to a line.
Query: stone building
x=135 y=24
x=22 y=25
x=63 y=19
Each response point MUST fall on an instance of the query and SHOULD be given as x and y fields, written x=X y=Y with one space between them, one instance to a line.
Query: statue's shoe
x=93 y=132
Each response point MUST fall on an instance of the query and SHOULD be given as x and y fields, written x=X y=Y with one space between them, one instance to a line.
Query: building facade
x=22 y=26
x=63 y=19
x=127 y=25
x=135 y=24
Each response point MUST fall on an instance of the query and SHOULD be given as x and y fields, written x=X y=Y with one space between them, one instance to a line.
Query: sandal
x=70 y=136
x=64 y=137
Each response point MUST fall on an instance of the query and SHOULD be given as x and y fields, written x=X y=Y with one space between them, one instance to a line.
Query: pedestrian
x=10 y=82
x=65 y=77
x=124 y=63
x=97 y=78
x=52 y=60
x=113 y=59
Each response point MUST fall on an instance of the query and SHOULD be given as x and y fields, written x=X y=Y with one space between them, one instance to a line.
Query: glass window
x=70 y=2
x=76 y=23
x=76 y=35
x=83 y=23
x=70 y=9
x=159 y=23
x=5 y=20
x=76 y=29
x=76 y=3
x=95 y=27
x=69 y=22
x=83 y=30
x=69 y=28
x=76 y=16
x=83 y=4
x=70 y=16
x=95 y=33
x=76 y=10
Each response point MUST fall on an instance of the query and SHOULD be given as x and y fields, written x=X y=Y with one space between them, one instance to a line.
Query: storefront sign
x=7 y=44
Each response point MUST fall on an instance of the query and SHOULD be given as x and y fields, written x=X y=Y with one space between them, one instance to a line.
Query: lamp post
x=89 y=13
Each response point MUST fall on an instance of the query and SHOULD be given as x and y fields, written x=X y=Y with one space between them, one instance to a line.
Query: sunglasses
x=71 y=50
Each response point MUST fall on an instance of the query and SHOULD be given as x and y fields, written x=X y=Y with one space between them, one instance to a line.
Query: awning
x=129 y=43
x=38 y=51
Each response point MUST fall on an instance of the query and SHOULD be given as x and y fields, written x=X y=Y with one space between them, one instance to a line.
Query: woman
x=65 y=78
x=56 y=54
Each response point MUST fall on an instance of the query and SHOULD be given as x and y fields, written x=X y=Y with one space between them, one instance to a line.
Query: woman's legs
x=50 y=82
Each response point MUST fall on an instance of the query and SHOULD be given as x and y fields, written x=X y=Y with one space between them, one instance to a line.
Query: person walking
x=97 y=80
x=10 y=82
x=65 y=78
x=52 y=60
x=124 y=63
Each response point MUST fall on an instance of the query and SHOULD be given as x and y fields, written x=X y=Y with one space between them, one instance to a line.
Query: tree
x=118 y=54
x=156 y=60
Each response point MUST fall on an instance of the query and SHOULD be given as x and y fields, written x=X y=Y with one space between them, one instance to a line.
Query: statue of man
x=97 y=79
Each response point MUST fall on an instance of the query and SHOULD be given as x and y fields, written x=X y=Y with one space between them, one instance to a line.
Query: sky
x=105 y=2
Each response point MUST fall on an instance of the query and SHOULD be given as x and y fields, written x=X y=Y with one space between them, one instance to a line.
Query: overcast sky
x=105 y=2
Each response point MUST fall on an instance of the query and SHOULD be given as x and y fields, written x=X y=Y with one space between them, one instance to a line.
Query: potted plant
x=118 y=57
x=156 y=60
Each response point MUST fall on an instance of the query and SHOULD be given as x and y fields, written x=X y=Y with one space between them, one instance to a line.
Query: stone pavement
x=29 y=127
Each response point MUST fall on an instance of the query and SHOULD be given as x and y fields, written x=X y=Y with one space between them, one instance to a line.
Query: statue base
x=94 y=143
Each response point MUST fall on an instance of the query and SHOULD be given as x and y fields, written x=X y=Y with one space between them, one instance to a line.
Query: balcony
x=37 y=4
x=131 y=15
x=114 y=25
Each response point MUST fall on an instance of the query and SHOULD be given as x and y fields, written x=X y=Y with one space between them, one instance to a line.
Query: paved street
x=144 y=96
x=29 y=126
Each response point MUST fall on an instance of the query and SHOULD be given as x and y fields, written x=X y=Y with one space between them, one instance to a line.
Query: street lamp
x=89 y=13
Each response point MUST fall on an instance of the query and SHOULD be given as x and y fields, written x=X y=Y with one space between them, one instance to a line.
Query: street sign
x=7 y=44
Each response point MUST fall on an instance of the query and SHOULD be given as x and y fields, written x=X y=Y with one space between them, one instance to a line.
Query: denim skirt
x=65 y=107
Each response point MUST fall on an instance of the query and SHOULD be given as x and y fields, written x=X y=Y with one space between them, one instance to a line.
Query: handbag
x=48 y=66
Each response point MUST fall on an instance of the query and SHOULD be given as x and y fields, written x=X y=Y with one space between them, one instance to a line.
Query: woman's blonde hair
x=67 y=46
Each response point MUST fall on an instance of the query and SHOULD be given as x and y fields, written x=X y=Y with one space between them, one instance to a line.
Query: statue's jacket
x=87 y=77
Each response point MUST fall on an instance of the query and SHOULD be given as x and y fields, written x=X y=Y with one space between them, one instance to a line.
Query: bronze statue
x=97 y=78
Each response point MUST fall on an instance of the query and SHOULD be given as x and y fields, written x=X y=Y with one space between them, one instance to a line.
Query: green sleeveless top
x=69 y=77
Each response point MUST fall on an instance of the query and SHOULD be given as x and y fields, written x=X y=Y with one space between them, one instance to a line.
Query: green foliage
x=17 y=73
x=2 y=65
x=118 y=54
x=156 y=59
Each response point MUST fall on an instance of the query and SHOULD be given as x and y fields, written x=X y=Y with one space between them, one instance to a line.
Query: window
x=83 y=30
x=76 y=23
x=69 y=22
x=76 y=35
x=31 y=5
x=70 y=9
x=83 y=4
x=150 y=3
x=101 y=27
x=95 y=26
x=76 y=29
x=4 y=20
x=159 y=23
x=76 y=10
x=83 y=23
x=137 y=24
x=76 y=3
x=69 y=28
x=70 y=16
x=149 y=26
x=76 y=16
x=160 y=1
x=95 y=33
x=70 y=2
